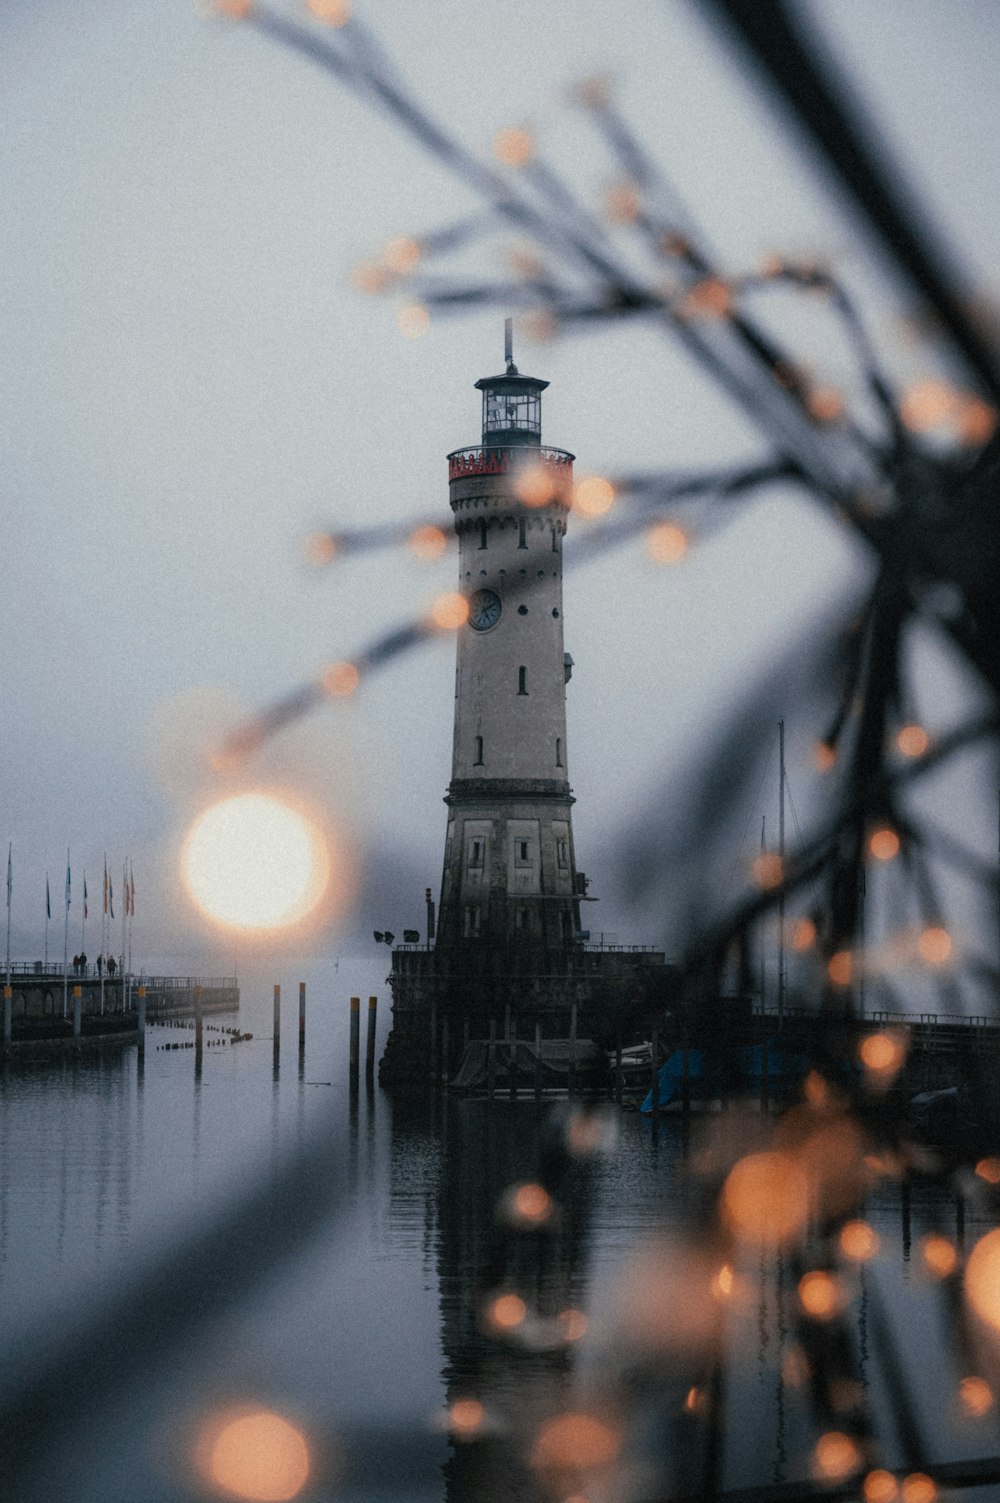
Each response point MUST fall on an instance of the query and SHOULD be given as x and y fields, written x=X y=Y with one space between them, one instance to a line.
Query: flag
x=131 y=883
x=85 y=911
x=48 y=900
x=69 y=882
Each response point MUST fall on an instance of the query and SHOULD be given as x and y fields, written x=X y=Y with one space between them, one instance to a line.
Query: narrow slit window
x=482 y=534
x=472 y=922
x=523 y=921
x=479 y=752
x=522 y=680
x=562 y=847
x=522 y=853
x=559 y=751
x=522 y=528
x=476 y=848
x=555 y=541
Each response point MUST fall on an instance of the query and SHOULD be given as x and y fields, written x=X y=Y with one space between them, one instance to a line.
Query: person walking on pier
x=83 y=963
x=112 y=967
x=100 y=964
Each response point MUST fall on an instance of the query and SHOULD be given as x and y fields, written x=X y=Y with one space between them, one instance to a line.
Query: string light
x=880 y=1486
x=765 y=1199
x=824 y=756
x=402 y=254
x=883 y=1053
x=465 y=1418
x=912 y=741
x=858 y=1241
x=821 y=1295
x=768 y=870
x=918 y=1488
x=413 y=320
x=340 y=679
x=709 y=298
x=449 y=611
x=803 y=935
x=666 y=543
x=368 y=278
x=938 y=1255
x=883 y=844
x=507 y=1312
x=840 y=968
x=331 y=12
x=975 y=1396
x=825 y=405
x=514 y=146
x=427 y=542
x=988 y=1169
x=257 y=1456
x=320 y=549
x=593 y=496
x=622 y=204
x=982 y=1279
x=836 y=1456
x=934 y=945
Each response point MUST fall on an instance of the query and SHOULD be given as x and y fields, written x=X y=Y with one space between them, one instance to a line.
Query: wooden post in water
x=445 y=1053
x=142 y=1016
x=8 y=1012
x=355 y=1047
x=302 y=1018
x=434 y=1039
x=654 y=1074
x=491 y=1059
x=276 y=1026
x=538 y=1061
x=77 y=994
x=572 y=1049
x=512 y=1053
x=198 y=1026
x=370 y=1040
x=619 y=1089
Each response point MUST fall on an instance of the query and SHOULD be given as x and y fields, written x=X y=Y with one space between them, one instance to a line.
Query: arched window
x=522 y=681
x=482 y=534
x=558 y=751
x=479 y=752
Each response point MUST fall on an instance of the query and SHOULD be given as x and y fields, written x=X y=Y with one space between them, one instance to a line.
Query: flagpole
x=48 y=915
x=124 y=919
x=83 y=919
x=66 y=937
x=10 y=886
x=102 y=958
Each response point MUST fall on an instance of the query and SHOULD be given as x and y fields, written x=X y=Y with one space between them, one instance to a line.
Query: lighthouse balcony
x=509 y=453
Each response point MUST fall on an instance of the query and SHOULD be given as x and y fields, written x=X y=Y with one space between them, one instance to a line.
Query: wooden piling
x=572 y=1049
x=370 y=1040
x=77 y=1026
x=433 y=1061
x=302 y=1017
x=8 y=1012
x=355 y=1048
x=619 y=1084
x=198 y=1026
x=445 y=1055
x=491 y=1059
x=142 y=1016
x=654 y=1081
x=512 y=1053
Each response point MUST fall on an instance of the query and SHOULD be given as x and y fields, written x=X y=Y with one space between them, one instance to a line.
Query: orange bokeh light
x=709 y=298
x=574 y=1443
x=883 y=1053
x=507 y=1312
x=883 y=844
x=858 y=1241
x=622 y=204
x=934 y=945
x=938 y=1255
x=824 y=756
x=573 y=1324
x=880 y=1486
x=918 y=1488
x=723 y=1282
x=765 y=1199
x=975 y=1396
x=340 y=679
x=465 y=1417
x=768 y=870
x=320 y=548
x=534 y=485
x=803 y=935
x=402 y=254
x=257 y=1456
x=666 y=543
x=989 y=1170
x=982 y=1279
x=428 y=542
x=836 y=1456
x=926 y=404
x=331 y=12
x=449 y=611
x=413 y=320
x=912 y=741
x=514 y=146
x=532 y=1203
x=593 y=496
x=825 y=404
x=840 y=968
x=821 y=1295
x=369 y=278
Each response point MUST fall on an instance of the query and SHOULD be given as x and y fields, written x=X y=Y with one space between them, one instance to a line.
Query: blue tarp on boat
x=784 y=1069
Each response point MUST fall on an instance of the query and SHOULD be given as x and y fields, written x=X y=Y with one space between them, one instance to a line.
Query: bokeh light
x=514 y=146
x=370 y=278
x=825 y=404
x=803 y=935
x=622 y=204
x=938 y=1256
x=821 y=1295
x=883 y=844
x=858 y=1241
x=449 y=611
x=918 y=1488
x=465 y=1418
x=934 y=945
x=574 y=1442
x=666 y=543
x=593 y=496
x=709 y=298
x=528 y=1205
x=982 y=1279
x=534 y=485
x=255 y=1455
x=912 y=741
x=573 y=1324
x=880 y=1486
x=988 y=1169
x=836 y=1456
x=340 y=679
x=320 y=549
x=331 y=12
x=768 y=870
x=824 y=756
x=976 y=1397
x=402 y=255
x=428 y=542
x=883 y=1053
x=506 y=1312
x=252 y=861
x=413 y=320
x=840 y=968
x=765 y=1199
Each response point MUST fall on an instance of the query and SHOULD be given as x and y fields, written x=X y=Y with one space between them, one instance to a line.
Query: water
x=366 y=1320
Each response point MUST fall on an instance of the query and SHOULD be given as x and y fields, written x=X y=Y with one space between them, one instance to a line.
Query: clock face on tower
x=484 y=610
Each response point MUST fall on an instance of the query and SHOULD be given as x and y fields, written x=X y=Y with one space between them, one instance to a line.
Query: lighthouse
x=510 y=884
x=506 y=977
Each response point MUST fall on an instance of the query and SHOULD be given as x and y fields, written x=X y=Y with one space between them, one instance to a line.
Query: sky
x=191 y=385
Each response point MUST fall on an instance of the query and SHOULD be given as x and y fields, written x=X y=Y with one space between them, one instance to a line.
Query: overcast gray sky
x=191 y=384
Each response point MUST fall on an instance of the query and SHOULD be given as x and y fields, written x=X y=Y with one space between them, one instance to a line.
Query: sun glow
x=252 y=861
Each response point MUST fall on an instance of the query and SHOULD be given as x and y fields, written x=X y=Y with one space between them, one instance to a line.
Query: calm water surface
x=368 y=1328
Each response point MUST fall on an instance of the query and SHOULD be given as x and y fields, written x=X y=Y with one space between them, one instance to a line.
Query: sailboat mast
x=781 y=855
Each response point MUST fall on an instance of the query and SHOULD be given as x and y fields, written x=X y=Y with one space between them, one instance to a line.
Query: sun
x=252 y=861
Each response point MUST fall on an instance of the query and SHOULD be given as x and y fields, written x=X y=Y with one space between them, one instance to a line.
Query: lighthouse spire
x=508 y=346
